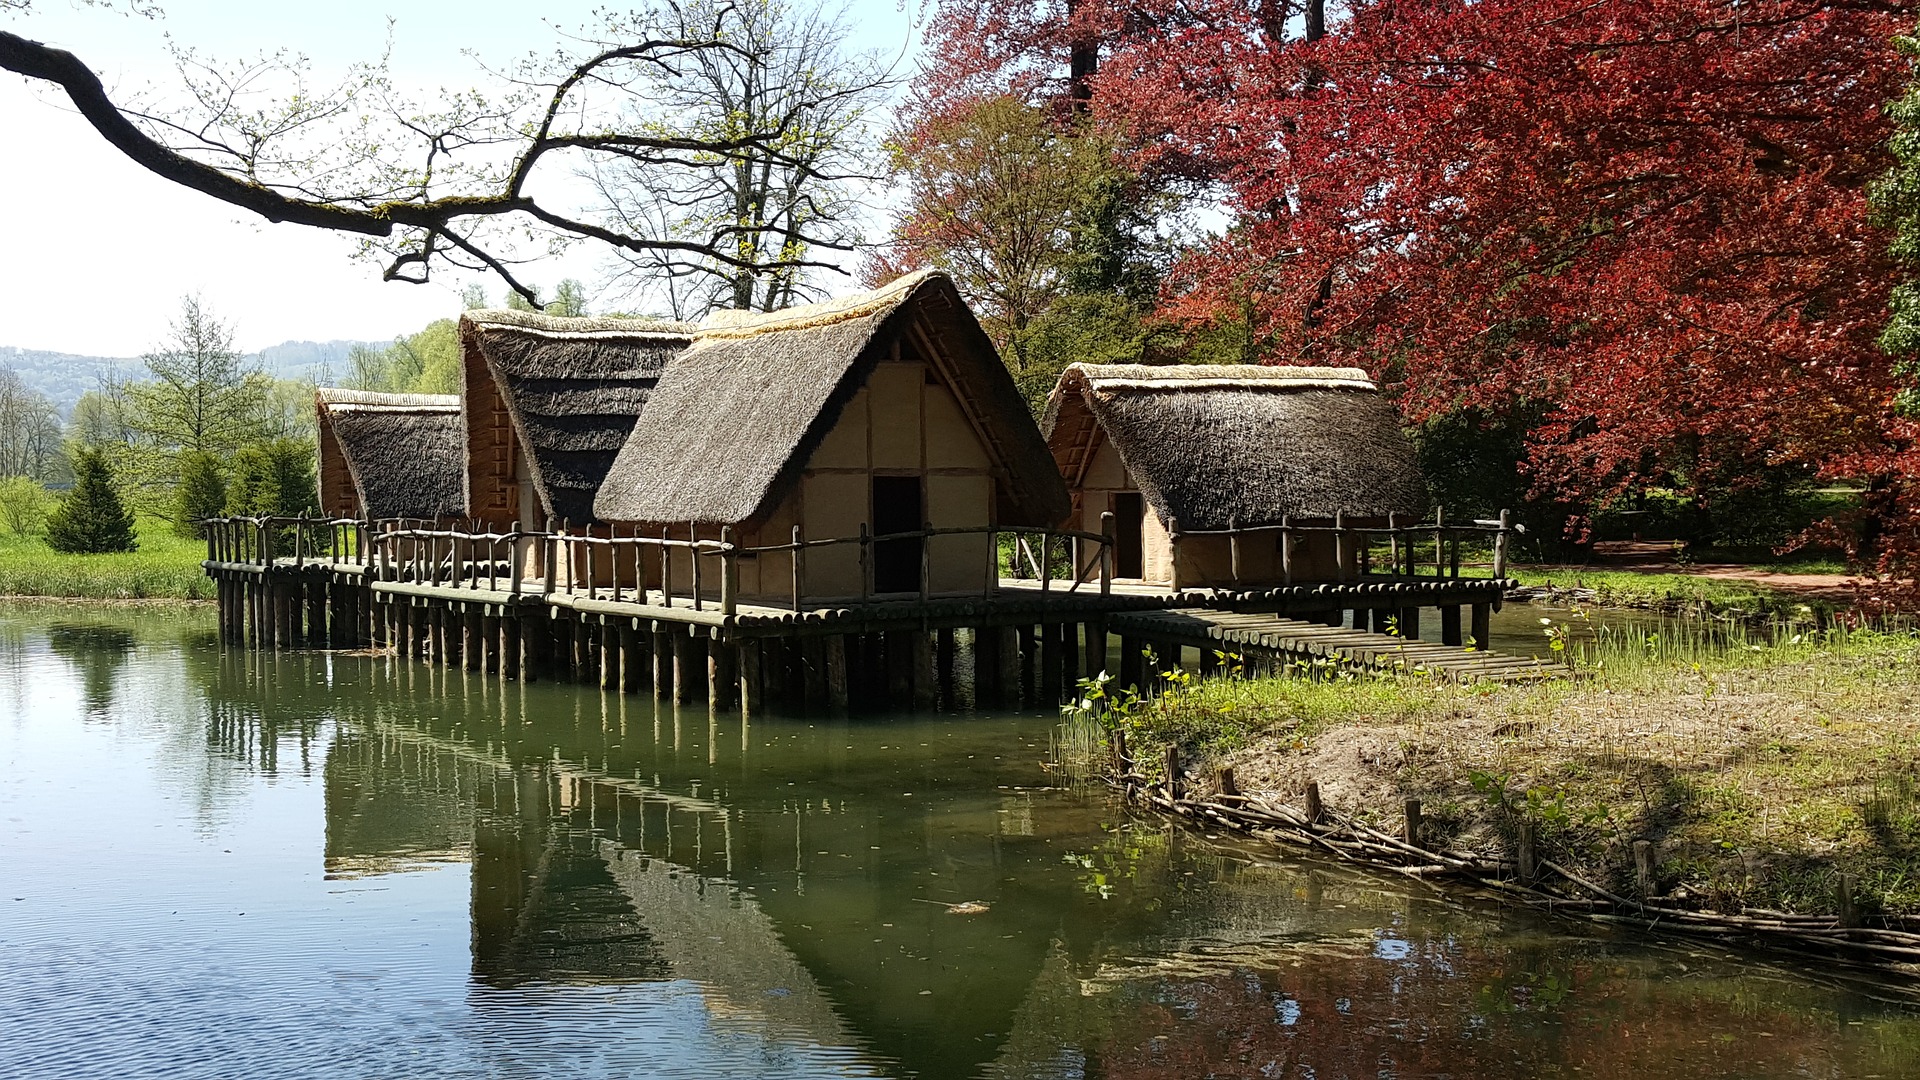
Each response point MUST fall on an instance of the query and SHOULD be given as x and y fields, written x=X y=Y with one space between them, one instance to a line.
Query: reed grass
x=165 y=566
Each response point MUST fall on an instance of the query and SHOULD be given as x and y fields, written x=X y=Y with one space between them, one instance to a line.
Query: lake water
x=227 y=865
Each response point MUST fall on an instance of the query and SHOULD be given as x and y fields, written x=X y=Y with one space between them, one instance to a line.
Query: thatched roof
x=735 y=418
x=404 y=452
x=574 y=388
x=1211 y=445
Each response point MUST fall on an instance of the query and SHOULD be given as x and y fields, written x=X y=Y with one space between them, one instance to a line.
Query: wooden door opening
x=899 y=505
x=1129 y=556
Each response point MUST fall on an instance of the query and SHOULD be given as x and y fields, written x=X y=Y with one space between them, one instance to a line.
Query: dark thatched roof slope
x=734 y=420
x=404 y=452
x=574 y=388
x=1211 y=445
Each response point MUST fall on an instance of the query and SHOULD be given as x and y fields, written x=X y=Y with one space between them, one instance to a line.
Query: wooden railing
x=562 y=560
x=1401 y=541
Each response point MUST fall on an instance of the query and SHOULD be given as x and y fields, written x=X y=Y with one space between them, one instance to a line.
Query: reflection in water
x=642 y=889
x=97 y=653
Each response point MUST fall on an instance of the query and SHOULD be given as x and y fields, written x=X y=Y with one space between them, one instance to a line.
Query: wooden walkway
x=1276 y=639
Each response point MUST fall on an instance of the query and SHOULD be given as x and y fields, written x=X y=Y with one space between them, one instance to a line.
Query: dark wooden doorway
x=1129 y=511
x=899 y=505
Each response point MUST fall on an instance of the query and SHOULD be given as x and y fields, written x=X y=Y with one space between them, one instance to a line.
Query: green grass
x=165 y=567
x=1673 y=592
x=1760 y=765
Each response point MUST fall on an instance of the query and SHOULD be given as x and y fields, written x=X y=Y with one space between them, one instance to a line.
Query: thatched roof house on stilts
x=881 y=413
x=389 y=455
x=1185 y=456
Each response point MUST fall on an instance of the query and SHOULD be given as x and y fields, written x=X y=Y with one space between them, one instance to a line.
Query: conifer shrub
x=201 y=494
x=92 y=520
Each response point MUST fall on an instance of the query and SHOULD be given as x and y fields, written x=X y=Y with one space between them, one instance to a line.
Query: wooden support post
x=317 y=612
x=490 y=637
x=1846 y=900
x=924 y=685
x=1006 y=680
x=1525 y=863
x=689 y=667
x=1176 y=783
x=536 y=646
x=813 y=672
x=510 y=646
x=1410 y=623
x=752 y=685
x=1450 y=624
x=1131 y=663
x=986 y=666
x=1314 y=809
x=1069 y=636
x=899 y=650
x=1209 y=661
x=612 y=657
x=473 y=648
x=838 y=697
x=1482 y=626
x=1094 y=656
x=663 y=665
x=723 y=673
x=633 y=659
x=1643 y=870
x=1286 y=549
x=943 y=665
x=1226 y=783
x=1416 y=823
x=1029 y=653
x=1049 y=663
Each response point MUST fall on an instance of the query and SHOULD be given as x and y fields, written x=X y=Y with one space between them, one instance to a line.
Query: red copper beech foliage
x=1646 y=218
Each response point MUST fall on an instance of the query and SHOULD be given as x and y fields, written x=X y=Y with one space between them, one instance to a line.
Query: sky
x=96 y=253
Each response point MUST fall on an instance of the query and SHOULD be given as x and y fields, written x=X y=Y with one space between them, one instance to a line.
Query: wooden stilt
x=473 y=639
x=611 y=655
x=1482 y=626
x=1029 y=664
x=1050 y=665
x=1131 y=667
x=943 y=664
x=1450 y=624
x=510 y=647
x=689 y=667
x=1007 y=681
x=663 y=666
x=924 y=684
x=723 y=674
x=813 y=673
x=1410 y=623
x=751 y=686
x=1094 y=657
x=633 y=660
x=836 y=661
x=986 y=667
x=899 y=670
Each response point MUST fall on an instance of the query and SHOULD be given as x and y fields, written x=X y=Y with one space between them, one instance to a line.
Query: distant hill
x=63 y=377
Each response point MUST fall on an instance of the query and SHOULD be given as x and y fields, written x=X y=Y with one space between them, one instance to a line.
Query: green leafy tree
x=201 y=394
x=274 y=479
x=92 y=519
x=1896 y=200
x=201 y=493
x=23 y=505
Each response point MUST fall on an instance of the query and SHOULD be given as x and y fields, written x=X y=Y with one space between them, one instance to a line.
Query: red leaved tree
x=1641 y=223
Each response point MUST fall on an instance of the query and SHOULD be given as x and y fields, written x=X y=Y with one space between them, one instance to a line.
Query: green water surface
x=231 y=865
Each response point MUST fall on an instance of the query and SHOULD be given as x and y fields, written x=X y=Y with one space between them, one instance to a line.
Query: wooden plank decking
x=1290 y=639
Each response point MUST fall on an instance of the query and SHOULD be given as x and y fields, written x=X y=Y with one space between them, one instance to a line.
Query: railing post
x=1286 y=549
x=866 y=577
x=1106 y=554
x=1500 y=544
x=1233 y=547
x=796 y=567
x=549 y=556
x=729 y=573
x=666 y=568
x=694 y=558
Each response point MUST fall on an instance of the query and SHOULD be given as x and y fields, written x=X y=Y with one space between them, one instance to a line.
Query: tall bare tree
x=786 y=72
x=467 y=181
x=29 y=428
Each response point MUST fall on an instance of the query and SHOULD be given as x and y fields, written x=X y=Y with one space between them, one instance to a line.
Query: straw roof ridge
x=1212 y=453
x=339 y=398
x=565 y=326
x=1217 y=376
x=727 y=323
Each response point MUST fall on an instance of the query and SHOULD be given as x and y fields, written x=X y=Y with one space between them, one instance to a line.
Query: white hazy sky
x=95 y=252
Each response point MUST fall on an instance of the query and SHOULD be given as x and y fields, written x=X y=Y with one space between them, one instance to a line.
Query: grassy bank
x=1759 y=770
x=165 y=567
x=1674 y=593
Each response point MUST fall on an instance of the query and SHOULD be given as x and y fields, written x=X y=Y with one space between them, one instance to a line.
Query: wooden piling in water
x=1482 y=626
